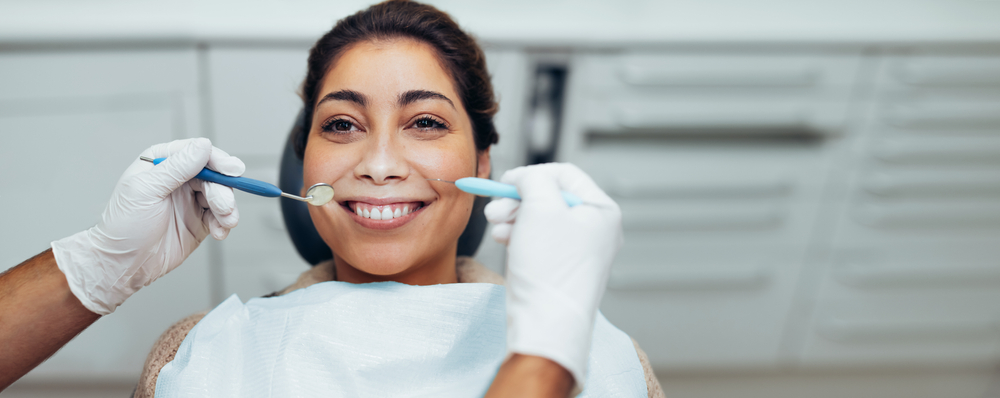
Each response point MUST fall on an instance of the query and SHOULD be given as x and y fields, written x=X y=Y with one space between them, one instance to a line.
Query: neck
x=440 y=269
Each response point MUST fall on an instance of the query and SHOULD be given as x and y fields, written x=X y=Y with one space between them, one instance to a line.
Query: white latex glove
x=558 y=259
x=156 y=217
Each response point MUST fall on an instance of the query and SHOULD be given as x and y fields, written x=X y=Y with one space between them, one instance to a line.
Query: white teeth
x=385 y=213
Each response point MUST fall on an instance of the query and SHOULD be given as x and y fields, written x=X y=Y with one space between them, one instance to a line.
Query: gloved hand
x=156 y=217
x=558 y=260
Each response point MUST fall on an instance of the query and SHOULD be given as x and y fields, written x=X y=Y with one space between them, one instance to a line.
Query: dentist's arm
x=558 y=260
x=156 y=217
x=38 y=315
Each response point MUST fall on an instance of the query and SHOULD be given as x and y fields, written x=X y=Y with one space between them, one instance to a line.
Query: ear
x=483 y=164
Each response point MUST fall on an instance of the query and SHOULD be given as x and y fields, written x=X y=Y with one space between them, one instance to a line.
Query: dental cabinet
x=809 y=204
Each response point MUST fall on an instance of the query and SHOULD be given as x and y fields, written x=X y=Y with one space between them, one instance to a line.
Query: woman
x=394 y=96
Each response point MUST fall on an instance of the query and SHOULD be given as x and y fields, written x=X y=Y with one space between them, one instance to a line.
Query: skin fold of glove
x=558 y=261
x=156 y=217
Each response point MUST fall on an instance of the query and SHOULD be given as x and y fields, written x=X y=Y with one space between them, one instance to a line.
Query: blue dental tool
x=484 y=187
x=317 y=195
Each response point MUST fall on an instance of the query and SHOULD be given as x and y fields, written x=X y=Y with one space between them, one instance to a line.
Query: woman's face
x=388 y=117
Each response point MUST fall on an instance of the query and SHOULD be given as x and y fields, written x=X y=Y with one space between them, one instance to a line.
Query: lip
x=383 y=225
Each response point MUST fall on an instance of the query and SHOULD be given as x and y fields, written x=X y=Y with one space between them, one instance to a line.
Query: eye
x=339 y=126
x=429 y=123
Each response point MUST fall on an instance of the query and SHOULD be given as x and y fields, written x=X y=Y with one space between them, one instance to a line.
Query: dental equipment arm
x=558 y=261
x=38 y=315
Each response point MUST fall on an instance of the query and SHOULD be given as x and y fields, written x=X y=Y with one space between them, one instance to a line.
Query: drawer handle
x=967 y=117
x=667 y=189
x=888 y=331
x=689 y=279
x=891 y=187
x=874 y=276
x=890 y=217
x=743 y=219
x=955 y=154
x=750 y=123
x=975 y=76
x=639 y=76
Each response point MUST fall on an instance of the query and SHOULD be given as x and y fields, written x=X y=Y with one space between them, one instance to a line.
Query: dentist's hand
x=558 y=260
x=156 y=217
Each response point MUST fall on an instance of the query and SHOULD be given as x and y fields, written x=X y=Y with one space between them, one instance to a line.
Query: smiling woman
x=386 y=123
x=395 y=95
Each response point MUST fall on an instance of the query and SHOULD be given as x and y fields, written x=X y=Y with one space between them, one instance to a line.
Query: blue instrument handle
x=484 y=187
x=244 y=184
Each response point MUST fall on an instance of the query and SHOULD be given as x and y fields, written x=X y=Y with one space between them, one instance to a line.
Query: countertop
x=529 y=23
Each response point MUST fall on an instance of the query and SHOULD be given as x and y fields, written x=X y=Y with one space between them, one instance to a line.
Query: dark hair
x=456 y=50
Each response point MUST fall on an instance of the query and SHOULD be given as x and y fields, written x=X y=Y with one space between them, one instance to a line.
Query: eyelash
x=437 y=124
x=328 y=126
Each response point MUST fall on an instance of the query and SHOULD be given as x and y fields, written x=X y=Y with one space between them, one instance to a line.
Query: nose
x=382 y=162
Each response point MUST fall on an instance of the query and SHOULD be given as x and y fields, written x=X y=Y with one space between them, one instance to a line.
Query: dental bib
x=337 y=339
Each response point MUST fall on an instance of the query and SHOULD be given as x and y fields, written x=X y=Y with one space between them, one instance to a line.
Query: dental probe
x=317 y=195
x=484 y=187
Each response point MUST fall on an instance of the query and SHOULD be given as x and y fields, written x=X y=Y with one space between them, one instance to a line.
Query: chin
x=385 y=259
x=382 y=266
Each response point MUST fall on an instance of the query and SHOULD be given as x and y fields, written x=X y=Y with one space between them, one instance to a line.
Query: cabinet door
x=718 y=162
x=70 y=124
x=254 y=103
x=913 y=270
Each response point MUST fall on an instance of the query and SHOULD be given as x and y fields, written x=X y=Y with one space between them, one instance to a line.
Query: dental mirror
x=318 y=195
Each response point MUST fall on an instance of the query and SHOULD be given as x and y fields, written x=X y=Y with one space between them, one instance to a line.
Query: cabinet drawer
x=896 y=327
x=697 y=306
x=258 y=256
x=889 y=304
x=677 y=73
x=719 y=117
x=254 y=100
x=979 y=72
x=942 y=114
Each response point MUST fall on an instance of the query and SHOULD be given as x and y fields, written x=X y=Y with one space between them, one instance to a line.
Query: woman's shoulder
x=653 y=388
x=163 y=351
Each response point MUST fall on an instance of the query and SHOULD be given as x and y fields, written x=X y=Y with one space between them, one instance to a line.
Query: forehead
x=383 y=69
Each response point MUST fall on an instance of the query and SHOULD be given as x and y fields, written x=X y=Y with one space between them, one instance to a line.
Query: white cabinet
x=70 y=123
x=915 y=250
x=718 y=161
x=254 y=102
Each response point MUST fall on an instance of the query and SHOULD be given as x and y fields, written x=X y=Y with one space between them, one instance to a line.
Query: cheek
x=447 y=162
x=325 y=163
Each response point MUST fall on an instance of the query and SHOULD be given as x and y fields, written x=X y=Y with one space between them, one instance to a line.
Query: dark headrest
x=300 y=226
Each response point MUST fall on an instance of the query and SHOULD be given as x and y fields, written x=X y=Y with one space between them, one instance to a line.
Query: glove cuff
x=558 y=331
x=87 y=280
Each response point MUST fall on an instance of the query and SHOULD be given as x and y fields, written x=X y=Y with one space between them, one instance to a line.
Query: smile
x=384 y=212
x=382 y=215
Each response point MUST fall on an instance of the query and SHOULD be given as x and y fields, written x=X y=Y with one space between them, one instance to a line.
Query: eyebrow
x=405 y=99
x=345 y=95
x=412 y=96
